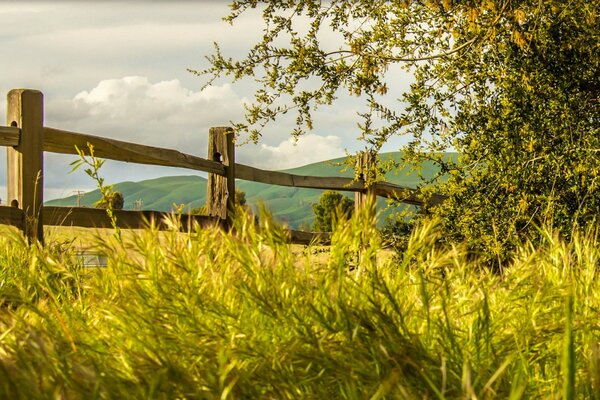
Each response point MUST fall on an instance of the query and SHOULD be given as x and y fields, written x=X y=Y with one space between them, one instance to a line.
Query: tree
x=512 y=86
x=115 y=199
x=330 y=207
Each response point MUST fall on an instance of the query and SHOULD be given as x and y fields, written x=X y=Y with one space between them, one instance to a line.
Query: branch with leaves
x=92 y=169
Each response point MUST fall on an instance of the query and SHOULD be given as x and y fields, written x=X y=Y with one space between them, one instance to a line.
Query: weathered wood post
x=220 y=193
x=25 y=168
x=365 y=173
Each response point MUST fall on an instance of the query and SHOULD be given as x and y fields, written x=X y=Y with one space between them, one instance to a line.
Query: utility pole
x=138 y=205
x=79 y=194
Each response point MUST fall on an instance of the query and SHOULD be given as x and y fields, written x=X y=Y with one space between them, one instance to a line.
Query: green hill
x=156 y=194
x=290 y=205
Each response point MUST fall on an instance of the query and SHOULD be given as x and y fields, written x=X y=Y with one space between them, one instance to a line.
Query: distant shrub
x=331 y=205
x=115 y=199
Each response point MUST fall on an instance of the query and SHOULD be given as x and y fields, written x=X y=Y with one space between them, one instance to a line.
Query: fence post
x=365 y=173
x=220 y=193
x=25 y=167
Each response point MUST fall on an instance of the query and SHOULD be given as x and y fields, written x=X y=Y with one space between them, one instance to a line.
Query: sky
x=119 y=70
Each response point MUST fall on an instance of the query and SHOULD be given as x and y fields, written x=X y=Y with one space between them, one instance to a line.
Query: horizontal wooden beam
x=59 y=141
x=405 y=195
x=384 y=189
x=97 y=218
x=11 y=216
x=302 y=237
x=9 y=136
x=284 y=179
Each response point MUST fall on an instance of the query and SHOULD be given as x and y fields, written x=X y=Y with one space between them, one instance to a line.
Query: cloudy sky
x=118 y=69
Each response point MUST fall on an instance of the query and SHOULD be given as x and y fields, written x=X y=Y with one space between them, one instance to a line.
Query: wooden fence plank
x=97 y=218
x=305 y=238
x=384 y=189
x=25 y=162
x=59 y=141
x=220 y=190
x=11 y=216
x=9 y=136
x=284 y=179
x=365 y=173
x=405 y=195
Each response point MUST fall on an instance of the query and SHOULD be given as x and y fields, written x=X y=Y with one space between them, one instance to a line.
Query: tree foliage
x=115 y=199
x=513 y=86
x=330 y=207
x=240 y=197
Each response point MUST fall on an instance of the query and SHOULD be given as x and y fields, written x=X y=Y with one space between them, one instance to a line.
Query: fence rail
x=127 y=219
x=27 y=139
x=11 y=216
x=59 y=141
x=9 y=136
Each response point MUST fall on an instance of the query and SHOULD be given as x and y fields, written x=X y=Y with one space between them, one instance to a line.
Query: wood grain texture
x=59 y=141
x=365 y=169
x=284 y=179
x=25 y=162
x=306 y=238
x=220 y=190
x=11 y=216
x=383 y=189
x=9 y=136
x=97 y=218
x=406 y=195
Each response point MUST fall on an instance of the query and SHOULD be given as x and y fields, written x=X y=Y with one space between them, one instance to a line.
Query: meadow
x=211 y=315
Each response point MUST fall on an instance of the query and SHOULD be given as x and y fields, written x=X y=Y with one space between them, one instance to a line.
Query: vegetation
x=511 y=85
x=213 y=315
x=110 y=199
x=396 y=233
x=240 y=197
x=331 y=206
x=113 y=199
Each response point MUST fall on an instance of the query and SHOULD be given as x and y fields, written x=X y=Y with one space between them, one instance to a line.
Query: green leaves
x=512 y=86
x=331 y=206
x=110 y=200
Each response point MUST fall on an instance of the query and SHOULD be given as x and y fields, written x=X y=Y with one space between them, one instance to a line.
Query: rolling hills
x=290 y=205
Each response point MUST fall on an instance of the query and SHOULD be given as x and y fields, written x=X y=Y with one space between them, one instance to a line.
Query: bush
x=330 y=207
x=115 y=199
x=396 y=233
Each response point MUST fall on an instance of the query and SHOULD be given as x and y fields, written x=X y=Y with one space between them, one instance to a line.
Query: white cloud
x=169 y=115
x=135 y=109
x=290 y=153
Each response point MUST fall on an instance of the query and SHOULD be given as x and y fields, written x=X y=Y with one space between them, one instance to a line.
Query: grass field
x=211 y=315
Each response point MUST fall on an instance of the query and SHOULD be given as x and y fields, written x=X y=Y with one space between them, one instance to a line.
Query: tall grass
x=212 y=315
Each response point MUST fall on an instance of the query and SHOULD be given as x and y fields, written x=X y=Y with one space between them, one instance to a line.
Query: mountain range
x=287 y=204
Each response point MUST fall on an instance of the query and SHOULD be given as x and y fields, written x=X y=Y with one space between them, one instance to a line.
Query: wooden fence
x=27 y=139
